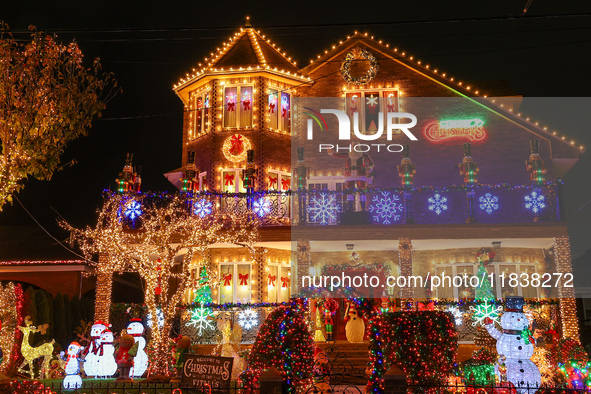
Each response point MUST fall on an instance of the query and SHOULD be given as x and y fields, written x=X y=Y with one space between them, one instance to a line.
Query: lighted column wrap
x=303 y=260
x=405 y=264
x=104 y=286
x=566 y=295
x=258 y=276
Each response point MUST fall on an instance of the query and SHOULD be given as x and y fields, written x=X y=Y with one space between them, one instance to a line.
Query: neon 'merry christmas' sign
x=468 y=129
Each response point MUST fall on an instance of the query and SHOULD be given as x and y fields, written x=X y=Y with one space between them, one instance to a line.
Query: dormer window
x=368 y=104
x=238 y=102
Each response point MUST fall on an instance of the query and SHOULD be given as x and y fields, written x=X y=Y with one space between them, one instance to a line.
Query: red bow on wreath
x=285 y=282
x=229 y=179
x=285 y=183
x=237 y=146
x=246 y=104
x=273 y=181
x=427 y=306
x=271 y=108
x=272 y=280
x=231 y=106
x=243 y=279
x=228 y=280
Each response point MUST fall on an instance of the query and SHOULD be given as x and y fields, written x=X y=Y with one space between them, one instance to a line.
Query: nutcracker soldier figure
x=358 y=169
x=535 y=164
x=189 y=179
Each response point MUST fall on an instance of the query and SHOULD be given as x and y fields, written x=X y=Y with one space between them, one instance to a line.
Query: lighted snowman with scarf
x=517 y=345
x=135 y=328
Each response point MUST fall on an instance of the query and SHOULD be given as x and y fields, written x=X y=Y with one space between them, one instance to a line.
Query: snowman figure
x=517 y=345
x=94 y=351
x=72 y=368
x=135 y=328
x=107 y=364
x=355 y=328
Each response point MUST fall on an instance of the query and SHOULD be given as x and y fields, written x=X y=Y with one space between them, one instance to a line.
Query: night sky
x=149 y=45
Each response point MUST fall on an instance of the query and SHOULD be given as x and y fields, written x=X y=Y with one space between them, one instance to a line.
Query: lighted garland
x=422 y=344
x=355 y=55
x=378 y=267
x=285 y=343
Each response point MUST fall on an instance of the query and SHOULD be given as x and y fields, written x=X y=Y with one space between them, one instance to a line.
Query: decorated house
x=476 y=192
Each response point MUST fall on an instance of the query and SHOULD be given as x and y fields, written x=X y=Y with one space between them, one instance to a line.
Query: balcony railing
x=387 y=206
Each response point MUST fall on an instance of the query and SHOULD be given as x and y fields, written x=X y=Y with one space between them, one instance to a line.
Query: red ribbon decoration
x=237 y=146
x=231 y=106
x=285 y=282
x=272 y=279
x=285 y=183
x=353 y=109
x=243 y=279
x=391 y=107
x=427 y=306
x=372 y=109
x=284 y=112
x=271 y=108
x=273 y=181
x=229 y=179
x=227 y=280
x=246 y=104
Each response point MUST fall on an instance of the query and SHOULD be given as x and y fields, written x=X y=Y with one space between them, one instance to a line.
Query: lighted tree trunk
x=104 y=288
x=568 y=307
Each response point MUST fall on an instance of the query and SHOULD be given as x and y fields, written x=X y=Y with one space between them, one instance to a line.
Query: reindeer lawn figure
x=32 y=353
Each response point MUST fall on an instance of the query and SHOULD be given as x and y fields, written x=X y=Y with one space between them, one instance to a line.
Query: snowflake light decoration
x=159 y=315
x=489 y=203
x=248 y=319
x=437 y=203
x=385 y=207
x=261 y=207
x=133 y=210
x=484 y=310
x=535 y=201
x=372 y=100
x=201 y=319
x=323 y=208
x=457 y=314
x=202 y=208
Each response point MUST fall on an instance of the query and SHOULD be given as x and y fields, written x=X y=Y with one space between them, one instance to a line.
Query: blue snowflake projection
x=261 y=207
x=489 y=203
x=248 y=319
x=385 y=208
x=535 y=201
x=201 y=319
x=202 y=208
x=484 y=310
x=323 y=208
x=437 y=203
x=133 y=210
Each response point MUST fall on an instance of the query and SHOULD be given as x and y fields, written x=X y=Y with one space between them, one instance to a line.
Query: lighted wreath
x=359 y=54
x=235 y=148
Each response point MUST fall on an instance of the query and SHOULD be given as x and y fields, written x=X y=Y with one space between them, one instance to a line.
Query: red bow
x=285 y=281
x=229 y=178
x=391 y=108
x=237 y=144
x=271 y=108
x=284 y=112
x=372 y=109
x=243 y=279
x=353 y=110
x=272 y=279
x=285 y=183
x=227 y=280
x=273 y=181
x=246 y=104
x=427 y=306
x=231 y=106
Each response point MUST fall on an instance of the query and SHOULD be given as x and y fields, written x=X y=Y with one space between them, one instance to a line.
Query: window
x=199 y=113
x=232 y=181
x=368 y=104
x=203 y=181
x=278 y=180
x=238 y=106
x=278 y=283
x=279 y=110
x=235 y=282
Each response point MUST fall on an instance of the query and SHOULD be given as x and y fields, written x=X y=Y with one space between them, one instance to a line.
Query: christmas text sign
x=211 y=371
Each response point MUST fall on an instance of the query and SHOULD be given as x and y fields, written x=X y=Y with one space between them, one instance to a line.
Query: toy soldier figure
x=358 y=169
x=535 y=164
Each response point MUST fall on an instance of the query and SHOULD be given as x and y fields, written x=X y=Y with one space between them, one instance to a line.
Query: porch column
x=104 y=286
x=566 y=295
x=302 y=261
x=258 y=282
x=405 y=264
